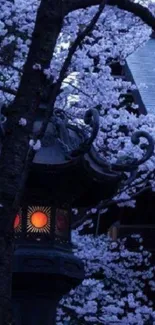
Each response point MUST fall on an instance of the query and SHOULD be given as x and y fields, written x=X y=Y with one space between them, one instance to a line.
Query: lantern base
x=34 y=310
x=41 y=277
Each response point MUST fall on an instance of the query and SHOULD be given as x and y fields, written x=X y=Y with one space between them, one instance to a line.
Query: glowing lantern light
x=16 y=221
x=39 y=219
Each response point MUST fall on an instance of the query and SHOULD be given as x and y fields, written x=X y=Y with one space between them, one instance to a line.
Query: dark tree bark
x=6 y=253
x=16 y=143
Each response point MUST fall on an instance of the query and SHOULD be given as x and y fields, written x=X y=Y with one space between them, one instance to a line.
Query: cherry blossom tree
x=54 y=45
x=116 y=286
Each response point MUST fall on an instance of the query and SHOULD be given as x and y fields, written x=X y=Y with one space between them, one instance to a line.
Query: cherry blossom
x=114 y=289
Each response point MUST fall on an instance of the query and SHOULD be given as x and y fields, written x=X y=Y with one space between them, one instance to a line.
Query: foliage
x=117 y=281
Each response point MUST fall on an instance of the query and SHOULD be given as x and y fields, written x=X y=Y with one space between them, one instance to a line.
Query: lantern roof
x=56 y=144
x=68 y=169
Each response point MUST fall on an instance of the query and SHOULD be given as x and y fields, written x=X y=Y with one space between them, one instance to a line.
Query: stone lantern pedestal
x=41 y=277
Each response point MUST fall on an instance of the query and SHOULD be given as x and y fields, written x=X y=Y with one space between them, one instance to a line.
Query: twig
x=121 y=201
x=77 y=88
x=10 y=65
x=107 y=203
x=8 y=90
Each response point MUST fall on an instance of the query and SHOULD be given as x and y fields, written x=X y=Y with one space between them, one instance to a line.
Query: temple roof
x=140 y=69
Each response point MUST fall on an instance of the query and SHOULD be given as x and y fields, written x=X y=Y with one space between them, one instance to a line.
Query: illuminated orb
x=16 y=221
x=39 y=219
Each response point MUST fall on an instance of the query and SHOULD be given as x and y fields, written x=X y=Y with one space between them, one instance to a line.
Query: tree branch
x=8 y=90
x=135 y=8
x=106 y=204
x=66 y=65
x=9 y=65
x=77 y=88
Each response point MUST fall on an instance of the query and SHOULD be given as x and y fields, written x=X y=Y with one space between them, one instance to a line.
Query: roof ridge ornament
x=129 y=163
x=91 y=118
x=122 y=165
x=125 y=163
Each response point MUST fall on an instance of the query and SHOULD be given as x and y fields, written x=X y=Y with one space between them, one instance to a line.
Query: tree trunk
x=16 y=143
x=6 y=252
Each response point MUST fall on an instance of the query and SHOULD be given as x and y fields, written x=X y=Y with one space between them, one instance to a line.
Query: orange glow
x=39 y=219
x=16 y=221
